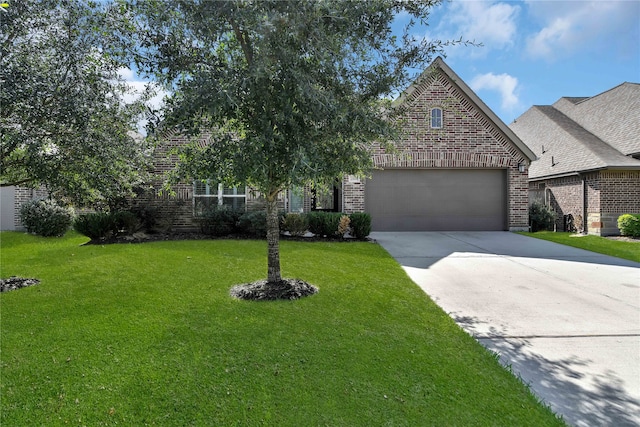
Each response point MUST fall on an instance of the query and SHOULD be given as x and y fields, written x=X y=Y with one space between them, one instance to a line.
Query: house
x=457 y=167
x=588 y=148
x=11 y=200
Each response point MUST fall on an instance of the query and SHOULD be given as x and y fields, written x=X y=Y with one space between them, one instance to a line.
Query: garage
x=437 y=199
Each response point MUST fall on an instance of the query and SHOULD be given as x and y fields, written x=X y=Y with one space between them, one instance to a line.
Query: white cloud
x=488 y=22
x=504 y=84
x=138 y=87
x=570 y=27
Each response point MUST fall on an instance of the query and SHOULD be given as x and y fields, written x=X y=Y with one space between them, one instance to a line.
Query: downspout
x=585 y=229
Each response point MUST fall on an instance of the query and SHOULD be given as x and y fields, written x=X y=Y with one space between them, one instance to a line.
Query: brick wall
x=468 y=139
x=22 y=195
x=619 y=194
x=353 y=194
x=609 y=194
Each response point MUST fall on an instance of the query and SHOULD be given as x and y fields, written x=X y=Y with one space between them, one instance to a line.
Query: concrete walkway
x=566 y=320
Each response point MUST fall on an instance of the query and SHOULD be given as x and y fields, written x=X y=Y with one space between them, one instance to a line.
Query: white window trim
x=431 y=118
x=219 y=194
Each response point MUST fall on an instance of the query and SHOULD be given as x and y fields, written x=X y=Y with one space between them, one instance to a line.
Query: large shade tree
x=292 y=92
x=64 y=116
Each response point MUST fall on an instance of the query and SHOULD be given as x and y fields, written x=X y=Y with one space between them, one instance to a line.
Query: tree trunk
x=273 y=239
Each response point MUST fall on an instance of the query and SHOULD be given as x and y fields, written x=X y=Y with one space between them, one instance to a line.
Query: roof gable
x=613 y=116
x=439 y=66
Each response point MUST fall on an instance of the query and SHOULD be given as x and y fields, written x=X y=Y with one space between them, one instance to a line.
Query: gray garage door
x=437 y=200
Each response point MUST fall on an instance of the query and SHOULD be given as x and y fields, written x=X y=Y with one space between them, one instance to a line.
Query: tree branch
x=244 y=42
x=15 y=183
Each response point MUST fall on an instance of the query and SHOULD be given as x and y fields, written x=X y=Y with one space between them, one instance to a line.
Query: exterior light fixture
x=521 y=167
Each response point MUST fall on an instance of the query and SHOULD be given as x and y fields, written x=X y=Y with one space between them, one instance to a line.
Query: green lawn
x=147 y=334
x=602 y=245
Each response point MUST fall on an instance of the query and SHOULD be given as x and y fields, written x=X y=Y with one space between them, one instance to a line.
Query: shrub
x=360 y=225
x=629 y=225
x=343 y=225
x=295 y=223
x=541 y=217
x=96 y=226
x=126 y=222
x=324 y=223
x=254 y=223
x=148 y=217
x=315 y=221
x=46 y=217
x=219 y=221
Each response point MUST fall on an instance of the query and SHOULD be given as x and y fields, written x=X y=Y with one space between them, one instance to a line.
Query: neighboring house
x=11 y=200
x=457 y=167
x=588 y=152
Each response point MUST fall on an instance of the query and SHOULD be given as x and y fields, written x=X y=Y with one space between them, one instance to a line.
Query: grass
x=601 y=245
x=147 y=334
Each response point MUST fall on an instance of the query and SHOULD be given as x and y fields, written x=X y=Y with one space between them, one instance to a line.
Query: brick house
x=457 y=167
x=588 y=152
x=11 y=200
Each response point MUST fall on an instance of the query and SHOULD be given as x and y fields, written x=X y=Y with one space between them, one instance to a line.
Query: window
x=207 y=195
x=296 y=199
x=325 y=199
x=436 y=118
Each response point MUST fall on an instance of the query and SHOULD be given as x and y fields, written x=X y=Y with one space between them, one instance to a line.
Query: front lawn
x=147 y=334
x=602 y=245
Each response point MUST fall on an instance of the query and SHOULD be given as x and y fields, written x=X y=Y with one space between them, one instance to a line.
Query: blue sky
x=537 y=51
x=534 y=51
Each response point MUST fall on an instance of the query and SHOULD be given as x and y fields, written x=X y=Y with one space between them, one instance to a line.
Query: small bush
x=541 y=217
x=253 y=224
x=629 y=225
x=315 y=221
x=360 y=225
x=343 y=225
x=46 y=217
x=295 y=223
x=126 y=222
x=148 y=217
x=96 y=226
x=324 y=223
x=219 y=221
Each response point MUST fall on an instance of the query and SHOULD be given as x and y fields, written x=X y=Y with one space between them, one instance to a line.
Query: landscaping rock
x=286 y=289
x=13 y=283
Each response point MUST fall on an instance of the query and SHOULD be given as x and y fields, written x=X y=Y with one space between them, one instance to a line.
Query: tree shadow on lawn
x=582 y=398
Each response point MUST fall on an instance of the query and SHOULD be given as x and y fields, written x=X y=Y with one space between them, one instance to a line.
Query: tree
x=294 y=92
x=64 y=122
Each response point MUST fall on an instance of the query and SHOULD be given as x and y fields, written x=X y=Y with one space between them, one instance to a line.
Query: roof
x=613 y=116
x=439 y=65
x=583 y=134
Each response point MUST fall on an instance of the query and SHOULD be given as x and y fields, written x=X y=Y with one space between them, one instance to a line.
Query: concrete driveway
x=566 y=320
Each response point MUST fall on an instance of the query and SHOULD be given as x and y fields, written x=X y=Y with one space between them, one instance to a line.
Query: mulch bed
x=286 y=289
x=160 y=237
x=13 y=283
x=625 y=238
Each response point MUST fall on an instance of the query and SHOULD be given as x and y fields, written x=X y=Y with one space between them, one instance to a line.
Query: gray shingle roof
x=613 y=116
x=604 y=135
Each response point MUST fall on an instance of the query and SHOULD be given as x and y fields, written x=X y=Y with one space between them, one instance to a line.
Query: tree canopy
x=64 y=119
x=292 y=92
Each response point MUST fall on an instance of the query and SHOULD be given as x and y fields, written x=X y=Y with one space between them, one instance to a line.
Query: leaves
x=287 y=93
x=65 y=123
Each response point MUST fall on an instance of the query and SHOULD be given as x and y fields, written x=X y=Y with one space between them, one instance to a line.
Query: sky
x=537 y=51
x=533 y=51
